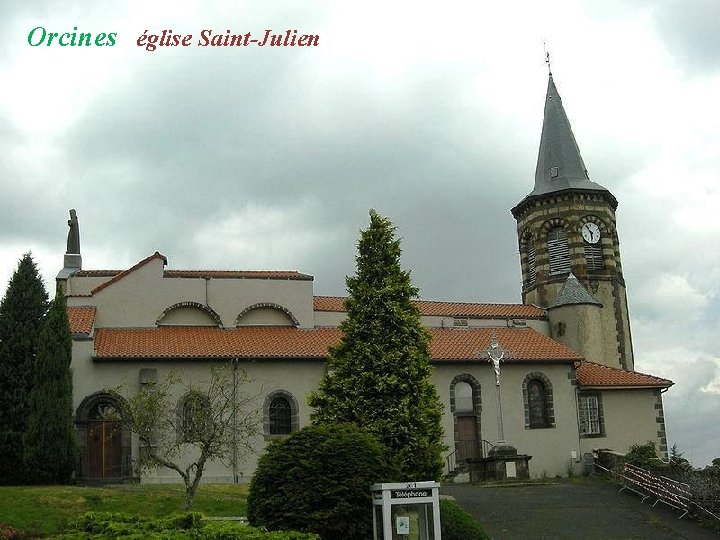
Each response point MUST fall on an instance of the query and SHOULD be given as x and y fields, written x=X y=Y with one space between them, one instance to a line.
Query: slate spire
x=560 y=166
x=573 y=293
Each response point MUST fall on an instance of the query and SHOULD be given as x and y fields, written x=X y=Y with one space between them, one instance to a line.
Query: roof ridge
x=236 y=270
x=443 y=301
x=623 y=370
x=118 y=277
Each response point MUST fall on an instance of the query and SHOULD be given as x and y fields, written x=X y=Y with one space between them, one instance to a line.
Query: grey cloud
x=176 y=152
x=690 y=30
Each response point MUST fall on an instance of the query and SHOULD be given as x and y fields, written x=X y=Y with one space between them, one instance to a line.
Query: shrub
x=318 y=480
x=178 y=527
x=645 y=456
x=457 y=524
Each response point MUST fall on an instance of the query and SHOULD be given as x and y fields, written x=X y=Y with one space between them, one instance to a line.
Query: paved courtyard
x=589 y=509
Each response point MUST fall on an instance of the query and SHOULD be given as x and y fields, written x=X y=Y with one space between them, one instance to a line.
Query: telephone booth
x=406 y=511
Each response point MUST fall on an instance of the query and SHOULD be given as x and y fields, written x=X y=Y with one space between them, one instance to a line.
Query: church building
x=567 y=374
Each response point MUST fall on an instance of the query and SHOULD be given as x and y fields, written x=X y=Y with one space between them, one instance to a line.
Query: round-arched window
x=280 y=416
x=464 y=398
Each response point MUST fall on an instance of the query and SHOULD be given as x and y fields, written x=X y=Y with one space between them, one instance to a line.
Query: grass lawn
x=48 y=509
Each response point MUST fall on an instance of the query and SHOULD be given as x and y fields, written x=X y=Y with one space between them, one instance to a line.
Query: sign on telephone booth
x=406 y=511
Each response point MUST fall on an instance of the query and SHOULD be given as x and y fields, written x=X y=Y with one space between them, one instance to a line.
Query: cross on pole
x=495 y=355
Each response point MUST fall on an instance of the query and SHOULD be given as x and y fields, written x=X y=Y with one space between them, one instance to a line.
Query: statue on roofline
x=73 y=239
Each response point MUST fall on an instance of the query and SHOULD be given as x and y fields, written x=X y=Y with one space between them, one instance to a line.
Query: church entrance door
x=102 y=447
x=467 y=439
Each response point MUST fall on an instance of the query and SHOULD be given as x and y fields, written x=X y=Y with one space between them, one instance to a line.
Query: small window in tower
x=558 y=251
x=554 y=171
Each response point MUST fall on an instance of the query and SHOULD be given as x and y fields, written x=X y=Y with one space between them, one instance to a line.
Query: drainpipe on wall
x=577 y=422
x=236 y=479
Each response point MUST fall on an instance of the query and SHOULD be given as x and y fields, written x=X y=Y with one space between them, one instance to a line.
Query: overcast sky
x=429 y=112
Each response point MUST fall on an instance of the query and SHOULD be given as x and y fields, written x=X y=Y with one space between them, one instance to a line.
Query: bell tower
x=569 y=248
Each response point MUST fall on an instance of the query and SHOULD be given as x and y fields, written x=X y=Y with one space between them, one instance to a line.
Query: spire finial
x=547 y=59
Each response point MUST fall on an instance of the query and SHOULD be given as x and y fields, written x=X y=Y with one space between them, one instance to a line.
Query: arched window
x=558 y=251
x=464 y=398
x=280 y=416
x=105 y=411
x=195 y=416
x=537 y=404
x=465 y=405
x=538 y=401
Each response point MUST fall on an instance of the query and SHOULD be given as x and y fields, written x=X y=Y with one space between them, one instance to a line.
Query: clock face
x=590 y=233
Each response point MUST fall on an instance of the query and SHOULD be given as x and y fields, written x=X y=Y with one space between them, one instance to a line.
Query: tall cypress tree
x=50 y=441
x=22 y=311
x=379 y=374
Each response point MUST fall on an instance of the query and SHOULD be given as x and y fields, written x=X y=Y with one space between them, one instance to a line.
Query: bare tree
x=182 y=425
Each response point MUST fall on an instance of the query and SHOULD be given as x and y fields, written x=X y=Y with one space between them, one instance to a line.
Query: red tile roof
x=117 y=275
x=448 y=309
x=216 y=274
x=238 y=274
x=210 y=342
x=96 y=273
x=598 y=375
x=81 y=319
x=523 y=344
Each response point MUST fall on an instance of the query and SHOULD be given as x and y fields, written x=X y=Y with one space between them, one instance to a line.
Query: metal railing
x=651 y=486
x=455 y=460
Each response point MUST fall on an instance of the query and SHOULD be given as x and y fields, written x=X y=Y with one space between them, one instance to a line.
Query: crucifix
x=495 y=354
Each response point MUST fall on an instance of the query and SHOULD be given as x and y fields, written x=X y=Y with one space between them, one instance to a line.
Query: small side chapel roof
x=254 y=342
x=447 y=309
x=592 y=375
x=573 y=293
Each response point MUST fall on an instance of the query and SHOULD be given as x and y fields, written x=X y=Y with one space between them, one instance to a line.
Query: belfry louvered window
x=558 y=251
x=593 y=256
x=530 y=250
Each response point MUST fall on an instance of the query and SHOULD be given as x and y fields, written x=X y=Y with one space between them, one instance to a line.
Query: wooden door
x=467 y=441
x=102 y=447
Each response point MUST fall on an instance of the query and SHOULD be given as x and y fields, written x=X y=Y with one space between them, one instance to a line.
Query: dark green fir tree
x=50 y=441
x=379 y=375
x=22 y=312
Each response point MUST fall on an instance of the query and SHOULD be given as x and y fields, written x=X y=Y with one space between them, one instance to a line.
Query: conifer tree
x=379 y=374
x=22 y=311
x=50 y=442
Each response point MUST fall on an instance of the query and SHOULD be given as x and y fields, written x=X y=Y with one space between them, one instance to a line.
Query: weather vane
x=547 y=59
